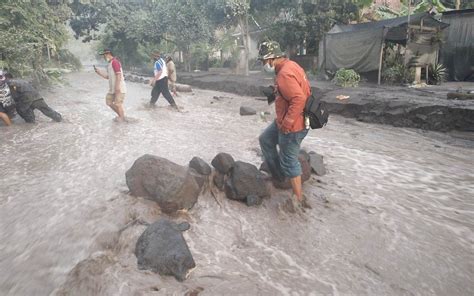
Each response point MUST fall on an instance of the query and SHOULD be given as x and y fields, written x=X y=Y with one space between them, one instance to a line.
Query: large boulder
x=172 y=186
x=200 y=166
x=223 y=162
x=246 y=180
x=317 y=163
x=161 y=248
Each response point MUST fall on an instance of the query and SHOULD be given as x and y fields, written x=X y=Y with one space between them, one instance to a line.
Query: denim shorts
x=285 y=161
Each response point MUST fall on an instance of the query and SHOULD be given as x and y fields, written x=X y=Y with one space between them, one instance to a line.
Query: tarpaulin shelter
x=457 y=51
x=360 y=46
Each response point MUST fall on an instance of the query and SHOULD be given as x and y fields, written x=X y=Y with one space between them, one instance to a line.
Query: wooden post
x=426 y=72
x=418 y=74
x=324 y=50
x=381 y=57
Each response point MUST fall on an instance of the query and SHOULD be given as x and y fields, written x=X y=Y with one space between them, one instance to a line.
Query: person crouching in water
x=7 y=106
x=117 y=89
x=160 y=81
x=27 y=99
x=288 y=130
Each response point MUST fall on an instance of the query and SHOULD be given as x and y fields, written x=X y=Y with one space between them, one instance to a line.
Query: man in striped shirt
x=160 y=82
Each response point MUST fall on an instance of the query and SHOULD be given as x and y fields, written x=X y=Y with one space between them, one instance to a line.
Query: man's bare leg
x=120 y=112
x=114 y=107
x=4 y=117
x=297 y=188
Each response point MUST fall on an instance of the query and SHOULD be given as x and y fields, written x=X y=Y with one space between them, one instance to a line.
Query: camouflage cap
x=269 y=50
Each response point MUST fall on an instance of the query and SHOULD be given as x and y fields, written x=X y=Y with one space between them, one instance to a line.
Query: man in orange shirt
x=288 y=130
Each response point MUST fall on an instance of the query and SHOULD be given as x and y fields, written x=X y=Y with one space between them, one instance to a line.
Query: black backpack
x=317 y=112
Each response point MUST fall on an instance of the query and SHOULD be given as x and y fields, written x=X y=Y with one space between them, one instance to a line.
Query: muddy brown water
x=399 y=216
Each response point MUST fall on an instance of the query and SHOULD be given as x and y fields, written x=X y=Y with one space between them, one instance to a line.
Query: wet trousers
x=161 y=87
x=29 y=115
x=282 y=163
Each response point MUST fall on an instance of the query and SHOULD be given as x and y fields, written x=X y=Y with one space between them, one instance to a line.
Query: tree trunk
x=244 y=27
x=458 y=4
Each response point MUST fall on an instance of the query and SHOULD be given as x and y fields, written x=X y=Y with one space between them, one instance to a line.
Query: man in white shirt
x=160 y=82
x=116 y=94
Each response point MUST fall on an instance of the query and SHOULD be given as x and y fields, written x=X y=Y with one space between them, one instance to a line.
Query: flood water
x=393 y=216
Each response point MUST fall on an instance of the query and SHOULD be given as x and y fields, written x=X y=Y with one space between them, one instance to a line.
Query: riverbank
x=426 y=108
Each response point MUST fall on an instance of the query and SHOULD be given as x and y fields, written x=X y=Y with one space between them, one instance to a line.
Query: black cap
x=104 y=51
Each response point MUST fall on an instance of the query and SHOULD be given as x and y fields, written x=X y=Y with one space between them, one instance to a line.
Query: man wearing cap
x=117 y=90
x=288 y=130
x=160 y=81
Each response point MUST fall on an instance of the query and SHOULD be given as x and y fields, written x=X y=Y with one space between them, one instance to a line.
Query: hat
x=269 y=50
x=156 y=55
x=104 y=51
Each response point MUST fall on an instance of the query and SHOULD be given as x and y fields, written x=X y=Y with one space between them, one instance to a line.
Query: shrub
x=398 y=73
x=437 y=74
x=346 y=78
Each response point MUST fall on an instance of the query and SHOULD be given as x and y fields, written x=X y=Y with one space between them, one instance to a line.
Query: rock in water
x=161 y=248
x=223 y=162
x=317 y=163
x=172 y=186
x=183 y=87
x=219 y=180
x=200 y=166
x=253 y=200
x=247 y=111
x=247 y=180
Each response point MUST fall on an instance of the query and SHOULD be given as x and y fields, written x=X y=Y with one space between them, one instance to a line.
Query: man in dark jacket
x=27 y=99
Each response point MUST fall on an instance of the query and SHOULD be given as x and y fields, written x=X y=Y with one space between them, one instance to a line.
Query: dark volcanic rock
x=317 y=164
x=219 y=180
x=247 y=180
x=253 y=200
x=172 y=186
x=161 y=248
x=199 y=178
x=230 y=190
x=223 y=162
x=264 y=167
x=247 y=111
x=200 y=166
x=305 y=154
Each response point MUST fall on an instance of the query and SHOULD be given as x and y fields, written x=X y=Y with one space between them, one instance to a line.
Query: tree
x=31 y=31
x=304 y=24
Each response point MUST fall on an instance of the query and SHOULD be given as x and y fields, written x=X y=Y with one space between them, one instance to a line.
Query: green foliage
x=398 y=74
x=28 y=29
x=394 y=70
x=132 y=31
x=346 y=78
x=437 y=74
x=385 y=12
x=304 y=23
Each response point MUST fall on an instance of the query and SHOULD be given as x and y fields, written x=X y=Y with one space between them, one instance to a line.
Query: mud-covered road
x=399 y=216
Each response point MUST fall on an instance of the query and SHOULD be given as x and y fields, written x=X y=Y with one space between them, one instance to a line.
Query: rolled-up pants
x=282 y=163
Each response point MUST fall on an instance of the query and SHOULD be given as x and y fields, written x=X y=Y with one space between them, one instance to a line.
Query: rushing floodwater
x=399 y=216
